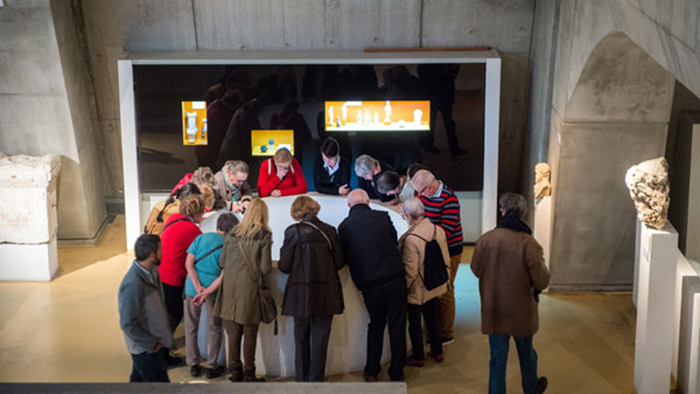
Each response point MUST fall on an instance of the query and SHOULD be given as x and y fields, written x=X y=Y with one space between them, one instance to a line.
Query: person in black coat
x=312 y=255
x=369 y=242
x=332 y=172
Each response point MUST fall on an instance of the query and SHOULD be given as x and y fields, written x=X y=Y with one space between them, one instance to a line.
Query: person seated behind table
x=200 y=176
x=421 y=300
x=281 y=175
x=311 y=254
x=162 y=210
x=368 y=169
x=178 y=233
x=246 y=258
x=234 y=193
x=332 y=172
x=203 y=279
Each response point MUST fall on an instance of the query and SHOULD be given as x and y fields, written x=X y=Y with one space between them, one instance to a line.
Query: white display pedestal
x=28 y=220
x=688 y=376
x=543 y=225
x=655 y=301
x=347 y=347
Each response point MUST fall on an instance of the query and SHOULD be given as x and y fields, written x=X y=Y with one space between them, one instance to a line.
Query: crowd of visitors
x=404 y=281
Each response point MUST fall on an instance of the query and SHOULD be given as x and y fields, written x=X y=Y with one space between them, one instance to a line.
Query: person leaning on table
x=311 y=255
x=281 y=175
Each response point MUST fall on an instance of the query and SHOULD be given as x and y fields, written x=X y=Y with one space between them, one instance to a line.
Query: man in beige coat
x=510 y=266
x=421 y=300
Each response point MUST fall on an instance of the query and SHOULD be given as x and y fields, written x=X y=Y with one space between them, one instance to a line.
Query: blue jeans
x=499 y=359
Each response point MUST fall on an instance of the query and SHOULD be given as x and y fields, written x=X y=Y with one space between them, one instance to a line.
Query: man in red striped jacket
x=442 y=208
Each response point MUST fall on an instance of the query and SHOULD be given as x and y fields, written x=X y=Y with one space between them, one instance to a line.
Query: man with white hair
x=368 y=170
x=369 y=242
x=442 y=208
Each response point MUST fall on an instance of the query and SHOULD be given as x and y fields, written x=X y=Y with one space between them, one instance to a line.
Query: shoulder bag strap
x=330 y=244
x=251 y=268
x=208 y=253
x=174 y=221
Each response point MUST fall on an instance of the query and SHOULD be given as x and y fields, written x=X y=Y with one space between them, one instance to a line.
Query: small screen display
x=384 y=115
x=194 y=123
x=267 y=142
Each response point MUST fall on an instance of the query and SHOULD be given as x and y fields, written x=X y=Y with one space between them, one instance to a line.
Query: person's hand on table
x=235 y=207
x=276 y=193
x=344 y=190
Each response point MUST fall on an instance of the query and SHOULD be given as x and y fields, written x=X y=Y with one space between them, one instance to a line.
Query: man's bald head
x=358 y=196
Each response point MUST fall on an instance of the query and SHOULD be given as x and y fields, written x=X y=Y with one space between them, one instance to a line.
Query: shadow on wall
x=617 y=117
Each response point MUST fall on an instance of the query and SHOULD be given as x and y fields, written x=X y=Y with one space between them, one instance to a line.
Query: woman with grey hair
x=368 y=170
x=422 y=301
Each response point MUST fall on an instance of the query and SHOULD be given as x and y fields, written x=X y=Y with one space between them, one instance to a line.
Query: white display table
x=348 y=341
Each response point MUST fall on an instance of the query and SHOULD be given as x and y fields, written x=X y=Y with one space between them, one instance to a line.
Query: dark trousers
x=386 y=304
x=173 y=303
x=311 y=345
x=431 y=315
x=247 y=333
x=150 y=367
x=499 y=358
x=450 y=126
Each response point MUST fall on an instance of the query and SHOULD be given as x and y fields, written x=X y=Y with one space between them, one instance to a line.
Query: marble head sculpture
x=648 y=184
x=542 y=186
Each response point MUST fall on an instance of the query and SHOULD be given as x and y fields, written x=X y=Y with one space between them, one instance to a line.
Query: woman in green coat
x=246 y=256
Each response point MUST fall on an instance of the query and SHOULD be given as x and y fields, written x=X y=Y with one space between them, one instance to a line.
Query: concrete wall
x=616 y=117
x=541 y=72
x=45 y=106
x=114 y=27
x=665 y=32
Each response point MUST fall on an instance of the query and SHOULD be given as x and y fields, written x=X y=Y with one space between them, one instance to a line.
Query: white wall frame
x=492 y=95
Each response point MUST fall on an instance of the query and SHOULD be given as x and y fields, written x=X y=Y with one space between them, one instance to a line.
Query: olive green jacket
x=237 y=299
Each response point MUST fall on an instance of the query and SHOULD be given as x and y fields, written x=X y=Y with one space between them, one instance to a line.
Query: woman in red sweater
x=178 y=233
x=281 y=176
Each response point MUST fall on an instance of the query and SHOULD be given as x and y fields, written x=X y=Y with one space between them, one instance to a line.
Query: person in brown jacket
x=421 y=300
x=311 y=255
x=247 y=254
x=510 y=266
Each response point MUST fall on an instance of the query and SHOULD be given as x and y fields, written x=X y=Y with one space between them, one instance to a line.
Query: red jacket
x=293 y=183
x=176 y=238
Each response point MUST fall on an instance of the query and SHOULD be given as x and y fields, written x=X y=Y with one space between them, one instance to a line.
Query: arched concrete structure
x=617 y=116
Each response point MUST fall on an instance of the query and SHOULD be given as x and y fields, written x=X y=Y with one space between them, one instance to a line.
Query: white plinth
x=543 y=225
x=28 y=221
x=28 y=262
x=348 y=341
x=655 y=312
x=688 y=376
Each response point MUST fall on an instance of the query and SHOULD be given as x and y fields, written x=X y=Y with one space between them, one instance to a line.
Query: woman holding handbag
x=246 y=259
x=311 y=255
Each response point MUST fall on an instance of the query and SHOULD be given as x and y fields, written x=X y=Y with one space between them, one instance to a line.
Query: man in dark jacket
x=311 y=255
x=369 y=241
x=142 y=314
x=332 y=172
x=510 y=266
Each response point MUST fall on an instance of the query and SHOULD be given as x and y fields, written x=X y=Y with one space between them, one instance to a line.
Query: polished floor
x=68 y=331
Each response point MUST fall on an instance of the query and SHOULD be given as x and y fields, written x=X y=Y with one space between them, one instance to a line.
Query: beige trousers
x=447 y=300
x=192 y=315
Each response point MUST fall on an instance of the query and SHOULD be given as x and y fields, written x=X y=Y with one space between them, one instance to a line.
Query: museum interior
x=588 y=109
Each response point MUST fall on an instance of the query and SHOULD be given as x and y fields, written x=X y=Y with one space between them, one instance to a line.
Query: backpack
x=434 y=271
